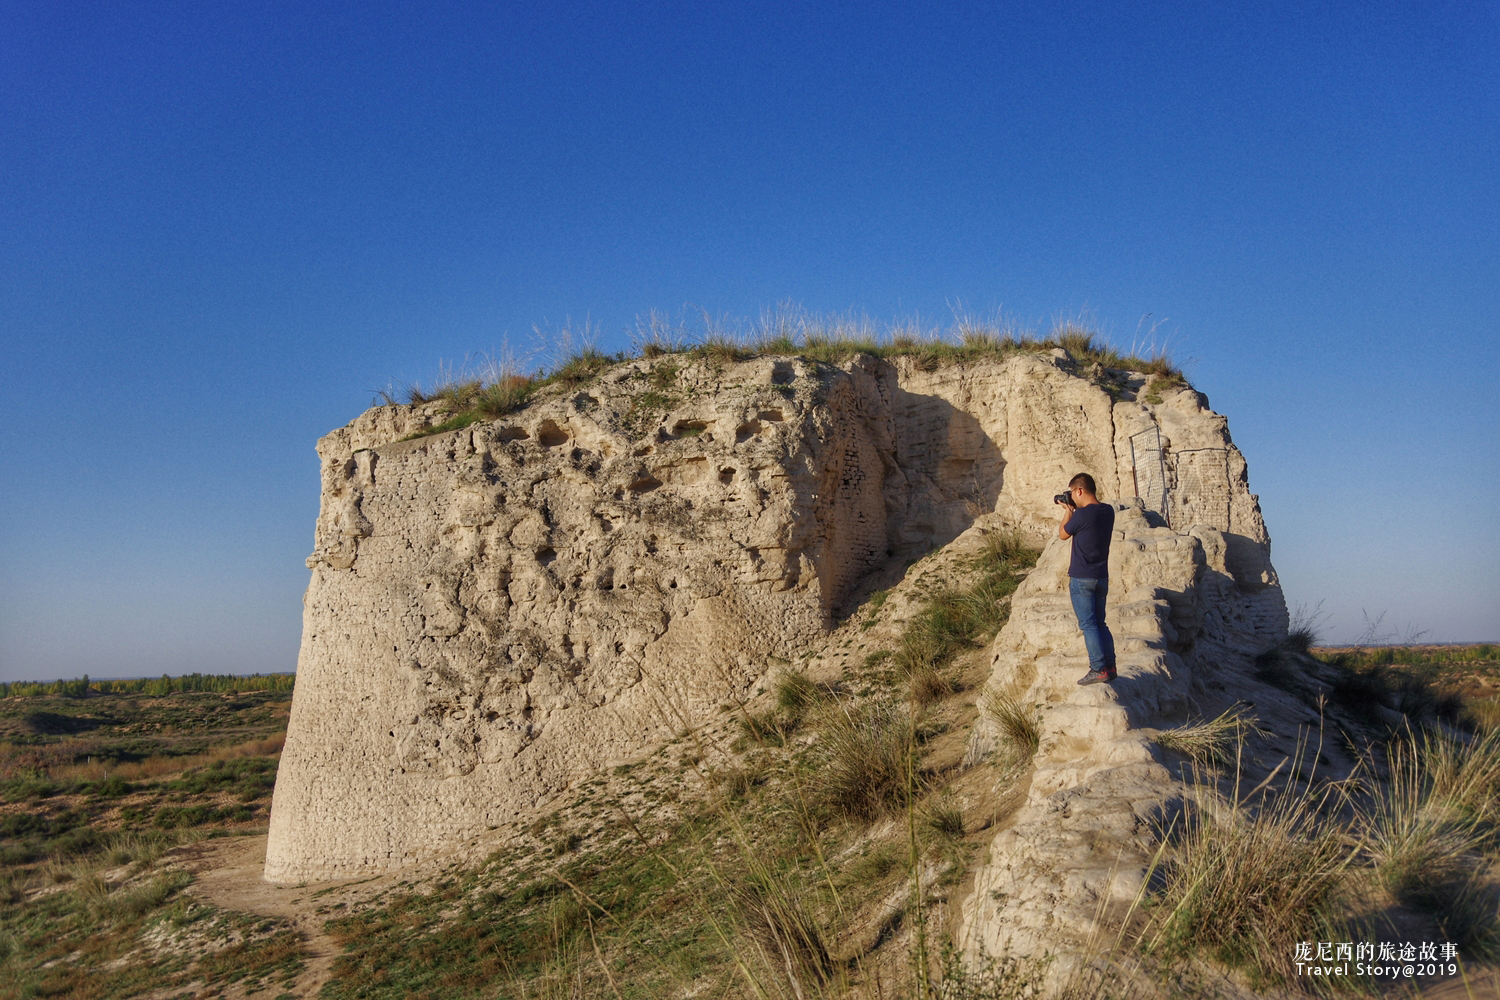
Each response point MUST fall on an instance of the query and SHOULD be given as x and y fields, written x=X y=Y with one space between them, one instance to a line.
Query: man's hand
x=1068 y=510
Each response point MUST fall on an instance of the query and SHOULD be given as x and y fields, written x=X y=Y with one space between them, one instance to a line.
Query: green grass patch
x=958 y=618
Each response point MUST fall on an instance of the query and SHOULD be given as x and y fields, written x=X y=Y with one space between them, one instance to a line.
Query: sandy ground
x=227 y=873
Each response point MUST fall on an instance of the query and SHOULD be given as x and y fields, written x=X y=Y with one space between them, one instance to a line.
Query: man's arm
x=1062 y=529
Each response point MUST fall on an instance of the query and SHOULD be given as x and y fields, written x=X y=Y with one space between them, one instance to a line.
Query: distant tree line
x=148 y=685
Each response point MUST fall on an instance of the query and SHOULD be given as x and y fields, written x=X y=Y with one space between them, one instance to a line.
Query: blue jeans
x=1088 y=604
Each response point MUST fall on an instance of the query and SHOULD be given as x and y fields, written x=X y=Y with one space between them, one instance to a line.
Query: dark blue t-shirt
x=1091 y=528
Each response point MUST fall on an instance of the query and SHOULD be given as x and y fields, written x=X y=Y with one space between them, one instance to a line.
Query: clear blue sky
x=223 y=226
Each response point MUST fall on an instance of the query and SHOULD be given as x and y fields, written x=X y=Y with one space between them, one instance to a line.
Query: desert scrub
x=249 y=778
x=1416 y=692
x=1451 y=685
x=73 y=819
x=37 y=834
x=1237 y=871
x=90 y=938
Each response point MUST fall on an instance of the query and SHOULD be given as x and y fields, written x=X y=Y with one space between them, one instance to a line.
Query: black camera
x=1065 y=499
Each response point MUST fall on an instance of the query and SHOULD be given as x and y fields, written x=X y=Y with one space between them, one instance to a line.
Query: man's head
x=1084 y=482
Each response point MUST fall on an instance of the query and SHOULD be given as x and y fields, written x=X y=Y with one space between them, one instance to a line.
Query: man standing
x=1090 y=524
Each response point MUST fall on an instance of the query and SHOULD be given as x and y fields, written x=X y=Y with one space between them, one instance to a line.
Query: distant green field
x=98 y=780
x=1464 y=681
x=1414 y=656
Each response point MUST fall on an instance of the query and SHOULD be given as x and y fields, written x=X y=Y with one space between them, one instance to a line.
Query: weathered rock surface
x=499 y=611
x=1188 y=611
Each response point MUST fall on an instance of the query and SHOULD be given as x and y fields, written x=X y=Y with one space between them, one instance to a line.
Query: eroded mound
x=499 y=611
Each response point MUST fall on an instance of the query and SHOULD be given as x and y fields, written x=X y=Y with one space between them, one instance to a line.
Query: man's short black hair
x=1086 y=481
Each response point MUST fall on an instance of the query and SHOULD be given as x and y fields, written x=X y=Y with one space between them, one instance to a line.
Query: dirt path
x=227 y=874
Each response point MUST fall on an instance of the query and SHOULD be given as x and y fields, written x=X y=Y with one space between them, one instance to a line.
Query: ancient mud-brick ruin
x=500 y=611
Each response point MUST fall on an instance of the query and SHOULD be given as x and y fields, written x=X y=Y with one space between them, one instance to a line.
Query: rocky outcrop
x=1188 y=613
x=499 y=611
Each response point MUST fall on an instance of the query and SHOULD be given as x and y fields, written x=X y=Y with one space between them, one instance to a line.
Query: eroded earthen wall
x=498 y=611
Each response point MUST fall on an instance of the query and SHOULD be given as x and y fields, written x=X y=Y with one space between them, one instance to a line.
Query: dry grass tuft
x=1417 y=832
x=946 y=818
x=796 y=693
x=92 y=888
x=1005 y=547
x=1017 y=723
x=139 y=849
x=142 y=899
x=1238 y=869
x=788 y=938
x=867 y=765
x=1428 y=827
x=1470 y=918
x=1246 y=878
x=928 y=686
x=1078 y=341
x=1209 y=744
x=1305 y=628
x=1483 y=714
